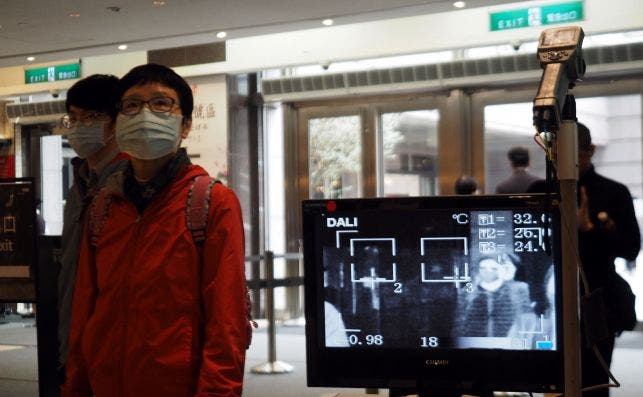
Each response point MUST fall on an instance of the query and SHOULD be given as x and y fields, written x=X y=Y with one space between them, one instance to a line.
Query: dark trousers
x=593 y=372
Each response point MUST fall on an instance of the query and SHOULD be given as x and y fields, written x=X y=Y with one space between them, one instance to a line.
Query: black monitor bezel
x=462 y=369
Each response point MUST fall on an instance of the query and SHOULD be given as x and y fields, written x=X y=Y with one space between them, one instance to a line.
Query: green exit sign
x=537 y=16
x=52 y=73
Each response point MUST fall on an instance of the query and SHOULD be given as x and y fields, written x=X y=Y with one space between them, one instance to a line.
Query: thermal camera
x=560 y=55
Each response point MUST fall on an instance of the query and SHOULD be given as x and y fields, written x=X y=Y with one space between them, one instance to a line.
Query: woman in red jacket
x=154 y=312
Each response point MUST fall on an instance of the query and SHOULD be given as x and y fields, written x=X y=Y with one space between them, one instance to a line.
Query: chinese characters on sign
x=200 y=116
x=207 y=142
x=537 y=16
x=52 y=73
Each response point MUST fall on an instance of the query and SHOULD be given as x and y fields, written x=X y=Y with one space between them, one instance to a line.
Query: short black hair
x=466 y=185
x=519 y=156
x=155 y=73
x=584 y=137
x=98 y=92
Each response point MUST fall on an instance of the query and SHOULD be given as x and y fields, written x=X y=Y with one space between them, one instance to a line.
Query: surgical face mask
x=148 y=135
x=86 y=139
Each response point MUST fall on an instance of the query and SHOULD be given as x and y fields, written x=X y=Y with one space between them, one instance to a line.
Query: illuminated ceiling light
x=158 y=3
x=74 y=14
x=459 y=4
x=122 y=47
x=31 y=59
x=222 y=35
x=328 y=22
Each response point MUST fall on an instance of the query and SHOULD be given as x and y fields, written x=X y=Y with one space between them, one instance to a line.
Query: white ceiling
x=45 y=29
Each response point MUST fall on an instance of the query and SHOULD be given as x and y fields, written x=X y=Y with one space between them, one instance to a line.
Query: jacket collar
x=178 y=168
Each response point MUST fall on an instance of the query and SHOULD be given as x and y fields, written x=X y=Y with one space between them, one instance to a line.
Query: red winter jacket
x=148 y=318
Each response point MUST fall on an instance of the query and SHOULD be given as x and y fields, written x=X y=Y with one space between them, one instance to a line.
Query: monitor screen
x=436 y=280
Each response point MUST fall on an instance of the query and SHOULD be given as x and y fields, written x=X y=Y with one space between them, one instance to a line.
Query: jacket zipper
x=133 y=247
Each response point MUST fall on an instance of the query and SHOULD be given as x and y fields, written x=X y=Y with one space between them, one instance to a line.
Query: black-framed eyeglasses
x=133 y=106
x=87 y=119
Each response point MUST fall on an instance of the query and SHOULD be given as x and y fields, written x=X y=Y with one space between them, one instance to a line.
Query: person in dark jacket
x=520 y=178
x=89 y=122
x=607 y=229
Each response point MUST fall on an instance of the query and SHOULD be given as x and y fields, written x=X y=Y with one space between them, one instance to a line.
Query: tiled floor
x=18 y=364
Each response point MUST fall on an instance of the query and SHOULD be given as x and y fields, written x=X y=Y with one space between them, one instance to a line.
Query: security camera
x=54 y=93
x=325 y=65
x=516 y=45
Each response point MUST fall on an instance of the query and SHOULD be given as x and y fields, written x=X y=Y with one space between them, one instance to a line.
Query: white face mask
x=86 y=139
x=148 y=135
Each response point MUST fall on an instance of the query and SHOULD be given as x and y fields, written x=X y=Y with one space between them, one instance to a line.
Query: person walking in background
x=89 y=123
x=157 y=310
x=466 y=185
x=520 y=179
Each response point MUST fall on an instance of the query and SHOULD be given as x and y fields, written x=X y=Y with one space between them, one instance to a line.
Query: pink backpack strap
x=98 y=214
x=198 y=206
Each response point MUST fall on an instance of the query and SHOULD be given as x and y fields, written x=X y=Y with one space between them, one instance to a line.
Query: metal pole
x=272 y=366
x=568 y=176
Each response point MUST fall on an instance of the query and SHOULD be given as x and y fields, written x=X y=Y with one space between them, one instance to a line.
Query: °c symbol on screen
x=461 y=218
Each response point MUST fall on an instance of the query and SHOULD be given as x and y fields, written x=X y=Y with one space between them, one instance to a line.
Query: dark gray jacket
x=85 y=186
x=518 y=182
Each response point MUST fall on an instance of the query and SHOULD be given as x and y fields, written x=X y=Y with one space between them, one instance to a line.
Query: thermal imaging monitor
x=453 y=292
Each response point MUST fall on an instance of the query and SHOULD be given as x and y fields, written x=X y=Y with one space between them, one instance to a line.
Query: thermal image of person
x=496 y=305
x=548 y=333
x=334 y=327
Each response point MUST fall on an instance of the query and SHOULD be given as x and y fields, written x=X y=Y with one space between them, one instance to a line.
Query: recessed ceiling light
x=74 y=15
x=31 y=59
x=328 y=22
x=222 y=35
x=158 y=3
x=459 y=4
x=122 y=47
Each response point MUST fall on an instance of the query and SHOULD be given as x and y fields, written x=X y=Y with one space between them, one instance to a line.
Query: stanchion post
x=272 y=366
x=270 y=306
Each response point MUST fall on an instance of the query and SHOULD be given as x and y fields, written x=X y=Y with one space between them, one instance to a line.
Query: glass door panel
x=507 y=126
x=335 y=157
x=409 y=153
x=615 y=125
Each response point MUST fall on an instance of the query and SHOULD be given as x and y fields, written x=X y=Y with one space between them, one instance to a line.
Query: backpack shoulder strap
x=98 y=212
x=198 y=206
x=197 y=209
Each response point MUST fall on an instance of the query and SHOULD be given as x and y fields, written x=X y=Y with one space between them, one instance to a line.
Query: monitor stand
x=402 y=392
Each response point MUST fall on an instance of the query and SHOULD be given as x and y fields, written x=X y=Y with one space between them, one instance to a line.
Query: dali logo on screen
x=341 y=222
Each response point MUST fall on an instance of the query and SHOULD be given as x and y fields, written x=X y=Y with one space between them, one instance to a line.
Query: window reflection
x=334 y=157
x=410 y=147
